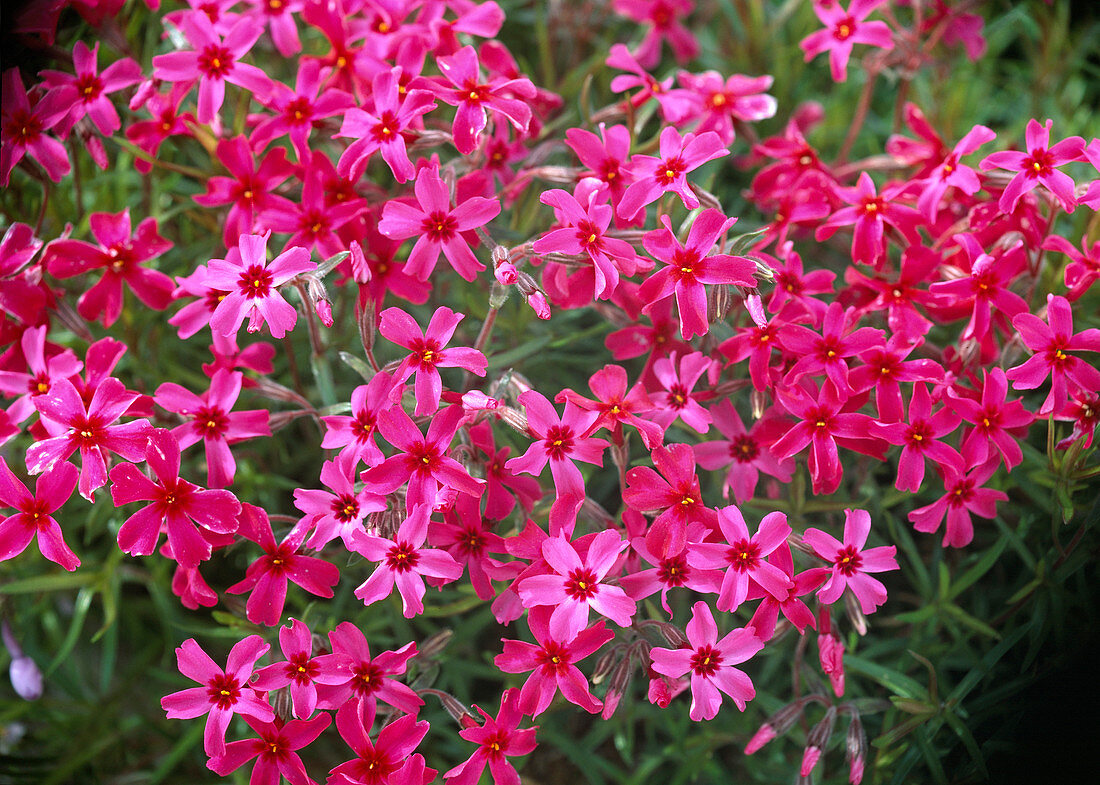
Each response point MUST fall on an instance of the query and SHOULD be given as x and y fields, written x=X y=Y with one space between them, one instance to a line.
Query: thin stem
x=860 y=116
x=481 y=342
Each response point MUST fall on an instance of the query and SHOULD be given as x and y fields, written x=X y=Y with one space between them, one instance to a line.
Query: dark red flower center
x=743 y=555
x=683 y=265
x=424 y=457
x=844 y=29
x=215 y=61
x=255 y=282
x=559 y=441
x=345 y=508
x=402 y=557
x=366 y=679
x=39 y=384
x=427 y=353
x=89 y=86
x=224 y=691
x=301 y=669
x=705 y=660
x=919 y=435
x=744 y=448
x=848 y=560
x=362 y=426
x=439 y=226
x=211 y=422
x=85 y=432
x=673 y=571
x=214 y=298
x=313 y=224
x=23 y=128
x=386 y=129
x=581 y=583
x=678 y=396
x=1039 y=164
x=590 y=237
x=669 y=169
x=299 y=111
x=554 y=657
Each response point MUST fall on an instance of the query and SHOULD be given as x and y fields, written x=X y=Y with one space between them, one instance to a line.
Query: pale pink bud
x=506 y=273
x=856 y=750
x=477 y=401
x=760 y=738
x=539 y=305
x=816 y=741
x=324 y=312
x=755 y=307
x=360 y=270
x=810 y=757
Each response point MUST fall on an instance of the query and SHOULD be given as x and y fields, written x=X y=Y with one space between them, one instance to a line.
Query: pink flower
x=710 y=662
x=389 y=759
x=176 y=504
x=744 y=556
x=605 y=156
x=274 y=749
x=992 y=418
x=297 y=112
x=560 y=442
x=214 y=62
x=355 y=434
x=499 y=480
x=251 y=285
x=986 y=286
x=617 y=406
x=88 y=428
x=679 y=402
x=437 y=226
x=950 y=173
x=90 y=88
x=467 y=537
x=496 y=738
x=747 y=453
x=428 y=354
x=843 y=30
x=23 y=128
x=688 y=268
x=723 y=102
x=766 y=617
x=1051 y=344
x=667 y=173
x=663 y=21
x=402 y=561
x=851 y=561
x=395 y=111
x=29 y=386
x=920 y=438
x=871 y=212
x=1084 y=269
x=301 y=670
x=551 y=661
x=506 y=97
x=964 y=496
x=214 y=422
x=369 y=678
x=340 y=514
x=223 y=692
x=576 y=585
x=678 y=498
x=1038 y=166
x=671 y=571
x=34 y=514
x=267 y=577
x=423 y=462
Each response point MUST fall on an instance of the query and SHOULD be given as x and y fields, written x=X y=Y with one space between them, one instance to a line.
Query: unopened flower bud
x=367 y=323
x=778 y=724
x=477 y=401
x=818 y=738
x=765 y=734
x=755 y=306
x=282 y=703
x=506 y=273
x=604 y=665
x=856 y=749
x=360 y=270
x=26 y=678
x=434 y=644
x=515 y=418
x=759 y=402
x=855 y=613
x=620 y=680
x=324 y=312
x=538 y=304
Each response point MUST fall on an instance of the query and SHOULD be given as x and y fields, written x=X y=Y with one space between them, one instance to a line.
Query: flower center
x=743 y=555
x=581 y=583
x=255 y=282
x=558 y=442
x=705 y=660
x=439 y=226
x=402 y=557
x=223 y=691
x=848 y=560
x=216 y=61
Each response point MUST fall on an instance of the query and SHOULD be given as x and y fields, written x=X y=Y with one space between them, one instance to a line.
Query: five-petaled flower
x=851 y=561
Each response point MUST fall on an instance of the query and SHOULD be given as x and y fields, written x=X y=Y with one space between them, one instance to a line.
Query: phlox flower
x=1084 y=268
x=689 y=266
x=496 y=738
x=986 y=286
x=274 y=749
x=297 y=112
x=871 y=212
x=992 y=417
x=724 y=101
x=662 y=19
x=369 y=678
x=224 y=692
x=766 y=616
x=1038 y=166
x=437 y=226
x=17 y=247
x=670 y=572
x=658 y=175
x=177 y=505
x=678 y=402
x=403 y=561
x=673 y=493
x=338 y=513
x=920 y=438
x=552 y=662
x=844 y=29
x=605 y=156
x=314 y=219
x=964 y=496
x=466 y=535
x=710 y=661
x=278 y=16
x=851 y=561
x=428 y=353
x=120 y=255
x=301 y=670
x=28 y=386
x=746 y=452
x=744 y=557
x=617 y=406
x=88 y=88
x=252 y=283
x=33 y=517
x=502 y=486
x=355 y=433
x=389 y=759
x=23 y=127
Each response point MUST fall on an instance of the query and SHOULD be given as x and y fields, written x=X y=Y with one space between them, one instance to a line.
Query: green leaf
x=53 y=582
x=898 y=683
x=358 y=365
x=968 y=741
x=984 y=565
x=967 y=620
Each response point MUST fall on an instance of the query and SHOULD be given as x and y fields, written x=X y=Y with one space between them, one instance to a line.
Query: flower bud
x=26 y=678
x=324 y=312
x=506 y=273
x=360 y=270
x=855 y=749
x=815 y=743
x=477 y=401
x=755 y=306
x=434 y=644
x=538 y=304
x=765 y=734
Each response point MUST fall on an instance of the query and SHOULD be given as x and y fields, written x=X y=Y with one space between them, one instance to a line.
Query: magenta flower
x=213 y=62
x=744 y=557
x=710 y=662
x=120 y=255
x=177 y=505
x=1084 y=268
x=766 y=616
x=339 y=514
x=423 y=462
x=851 y=561
x=428 y=354
x=506 y=97
x=723 y=102
x=576 y=585
x=297 y=112
x=688 y=267
x=496 y=739
x=250 y=189
x=871 y=212
x=605 y=156
x=679 y=402
x=403 y=561
x=17 y=247
x=747 y=453
x=252 y=283
x=662 y=19
x=467 y=537
x=560 y=442
x=671 y=571
x=301 y=670
x=369 y=679
x=617 y=406
x=268 y=576
x=964 y=496
x=396 y=111
x=89 y=88
x=23 y=127
x=214 y=422
x=499 y=480
x=950 y=173
x=28 y=386
x=74 y=425
x=355 y=433
x=986 y=286
x=274 y=750
x=920 y=438
x=793 y=287
x=1038 y=166
x=667 y=173
x=437 y=226
x=992 y=418
x=389 y=759
x=583 y=230
x=843 y=30
x=1051 y=344
x=551 y=661
x=677 y=499
x=223 y=692
x=34 y=514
